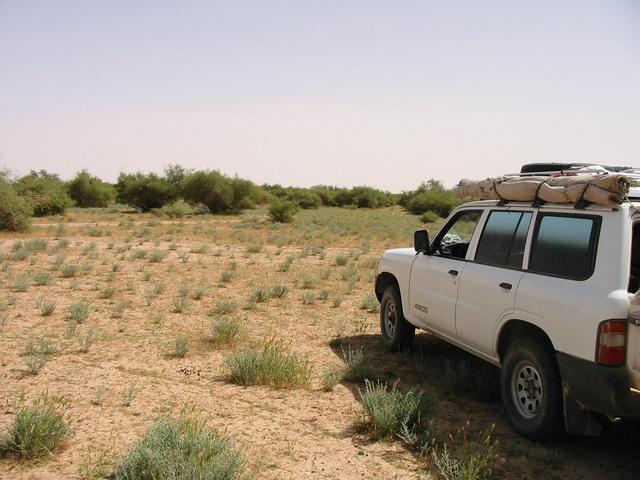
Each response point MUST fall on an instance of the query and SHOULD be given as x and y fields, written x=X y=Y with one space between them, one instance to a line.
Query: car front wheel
x=397 y=333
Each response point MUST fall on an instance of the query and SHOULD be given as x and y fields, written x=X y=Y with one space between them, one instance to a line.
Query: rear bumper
x=598 y=388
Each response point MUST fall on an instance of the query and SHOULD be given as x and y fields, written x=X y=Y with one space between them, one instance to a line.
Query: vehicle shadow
x=467 y=390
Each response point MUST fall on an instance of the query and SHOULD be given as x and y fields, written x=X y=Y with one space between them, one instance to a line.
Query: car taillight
x=611 y=342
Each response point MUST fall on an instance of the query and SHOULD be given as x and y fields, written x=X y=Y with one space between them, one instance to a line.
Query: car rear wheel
x=531 y=390
x=397 y=333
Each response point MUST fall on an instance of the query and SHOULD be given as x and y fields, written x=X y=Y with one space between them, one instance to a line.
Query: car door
x=433 y=288
x=489 y=283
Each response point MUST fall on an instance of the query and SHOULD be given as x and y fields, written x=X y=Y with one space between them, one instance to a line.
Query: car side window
x=454 y=240
x=503 y=239
x=565 y=246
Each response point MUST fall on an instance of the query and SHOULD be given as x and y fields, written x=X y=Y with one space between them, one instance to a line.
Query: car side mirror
x=421 y=242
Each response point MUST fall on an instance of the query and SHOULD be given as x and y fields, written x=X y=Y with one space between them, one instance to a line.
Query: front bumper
x=598 y=388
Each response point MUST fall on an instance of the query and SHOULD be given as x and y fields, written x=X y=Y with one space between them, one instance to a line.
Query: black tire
x=531 y=390
x=397 y=333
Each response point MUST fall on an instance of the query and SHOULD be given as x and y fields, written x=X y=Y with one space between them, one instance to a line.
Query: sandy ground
x=285 y=434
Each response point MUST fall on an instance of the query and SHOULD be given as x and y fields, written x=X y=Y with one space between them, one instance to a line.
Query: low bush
x=390 y=411
x=181 y=346
x=226 y=330
x=37 y=430
x=182 y=449
x=331 y=377
x=270 y=365
x=80 y=311
x=46 y=307
x=370 y=304
x=430 y=217
x=356 y=364
x=281 y=211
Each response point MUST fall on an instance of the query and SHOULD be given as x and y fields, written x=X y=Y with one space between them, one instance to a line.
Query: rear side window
x=503 y=239
x=565 y=246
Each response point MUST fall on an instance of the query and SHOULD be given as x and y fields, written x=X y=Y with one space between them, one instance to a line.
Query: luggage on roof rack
x=578 y=187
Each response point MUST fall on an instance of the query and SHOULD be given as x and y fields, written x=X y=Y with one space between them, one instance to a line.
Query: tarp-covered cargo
x=605 y=189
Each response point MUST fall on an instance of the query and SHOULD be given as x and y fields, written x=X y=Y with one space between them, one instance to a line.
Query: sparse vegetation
x=268 y=365
x=181 y=449
x=37 y=430
x=389 y=411
x=356 y=364
x=80 y=311
x=226 y=330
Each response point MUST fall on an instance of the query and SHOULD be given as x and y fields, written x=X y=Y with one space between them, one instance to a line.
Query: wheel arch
x=384 y=280
x=515 y=328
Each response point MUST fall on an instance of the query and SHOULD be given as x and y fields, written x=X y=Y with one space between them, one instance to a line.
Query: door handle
x=453 y=272
x=505 y=285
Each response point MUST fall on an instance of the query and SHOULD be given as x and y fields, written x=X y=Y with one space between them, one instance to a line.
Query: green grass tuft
x=37 y=430
x=182 y=449
x=270 y=365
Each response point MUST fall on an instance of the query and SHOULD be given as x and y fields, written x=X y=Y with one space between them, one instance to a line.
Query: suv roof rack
x=567 y=168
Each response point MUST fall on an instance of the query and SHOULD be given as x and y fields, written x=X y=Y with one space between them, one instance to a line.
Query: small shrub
x=350 y=274
x=138 y=255
x=370 y=304
x=225 y=307
x=128 y=395
x=429 y=217
x=35 y=362
x=309 y=298
x=182 y=449
x=86 y=339
x=226 y=330
x=279 y=291
x=80 y=311
x=37 y=430
x=309 y=281
x=282 y=211
x=46 y=308
x=254 y=248
x=259 y=295
x=474 y=464
x=42 y=278
x=356 y=364
x=341 y=260
x=180 y=303
x=337 y=301
x=181 y=346
x=285 y=266
x=331 y=377
x=225 y=277
x=99 y=396
x=106 y=292
x=389 y=411
x=21 y=283
x=197 y=293
x=200 y=249
x=269 y=366
x=68 y=270
x=158 y=255
x=119 y=309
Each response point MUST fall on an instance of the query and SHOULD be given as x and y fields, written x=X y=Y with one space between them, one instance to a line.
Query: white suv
x=544 y=292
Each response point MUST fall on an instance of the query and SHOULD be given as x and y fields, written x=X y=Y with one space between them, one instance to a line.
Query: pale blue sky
x=300 y=92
